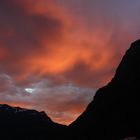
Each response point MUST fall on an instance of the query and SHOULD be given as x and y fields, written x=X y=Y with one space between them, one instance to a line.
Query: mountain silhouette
x=24 y=124
x=114 y=113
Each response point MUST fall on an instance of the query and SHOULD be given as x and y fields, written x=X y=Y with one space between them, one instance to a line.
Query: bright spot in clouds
x=29 y=90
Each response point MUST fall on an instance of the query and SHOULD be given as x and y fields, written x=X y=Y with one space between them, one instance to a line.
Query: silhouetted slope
x=23 y=124
x=115 y=111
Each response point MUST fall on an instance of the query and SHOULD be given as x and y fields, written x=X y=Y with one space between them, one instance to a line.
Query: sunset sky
x=55 y=54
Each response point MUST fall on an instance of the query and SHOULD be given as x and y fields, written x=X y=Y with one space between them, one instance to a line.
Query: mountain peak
x=114 y=113
x=135 y=44
x=129 y=68
x=23 y=124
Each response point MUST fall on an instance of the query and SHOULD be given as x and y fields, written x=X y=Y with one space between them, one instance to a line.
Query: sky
x=55 y=54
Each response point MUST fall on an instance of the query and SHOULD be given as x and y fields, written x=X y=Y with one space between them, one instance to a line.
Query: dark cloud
x=22 y=34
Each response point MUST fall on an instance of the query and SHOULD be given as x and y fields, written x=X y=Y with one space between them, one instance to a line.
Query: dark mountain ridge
x=114 y=113
x=24 y=124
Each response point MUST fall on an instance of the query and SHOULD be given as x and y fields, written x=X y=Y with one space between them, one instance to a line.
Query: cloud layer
x=62 y=50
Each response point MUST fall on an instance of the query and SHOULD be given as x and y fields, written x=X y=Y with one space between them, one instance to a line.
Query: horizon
x=54 y=55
